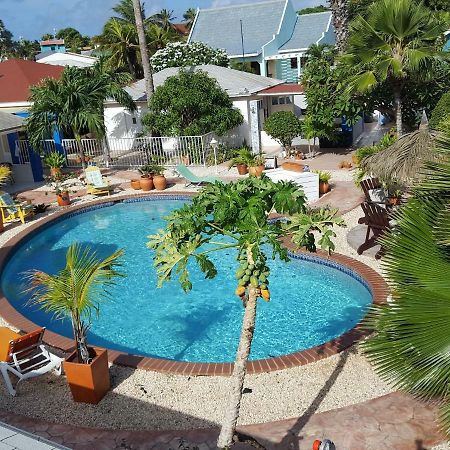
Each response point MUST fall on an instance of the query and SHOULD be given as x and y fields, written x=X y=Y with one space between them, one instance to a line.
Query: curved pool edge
x=374 y=281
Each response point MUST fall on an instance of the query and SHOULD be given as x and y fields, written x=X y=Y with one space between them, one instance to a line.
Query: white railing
x=131 y=152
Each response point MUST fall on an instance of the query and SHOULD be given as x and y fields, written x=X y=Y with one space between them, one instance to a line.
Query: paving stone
x=6 y=432
x=22 y=442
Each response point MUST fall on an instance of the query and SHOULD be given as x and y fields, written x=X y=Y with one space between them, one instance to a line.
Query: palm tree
x=164 y=18
x=189 y=17
x=76 y=292
x=239 y=213
x=74 y=102
x=398 y=39
x=158 y=37
x=125 y=11
x=148 y=76
x=340 y=13
x=120 y=43
x=410 y=346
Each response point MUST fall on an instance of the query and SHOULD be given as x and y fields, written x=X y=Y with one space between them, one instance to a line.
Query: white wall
x=68 y=59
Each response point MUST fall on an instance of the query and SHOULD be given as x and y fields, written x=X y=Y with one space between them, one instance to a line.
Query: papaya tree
x=237 y=215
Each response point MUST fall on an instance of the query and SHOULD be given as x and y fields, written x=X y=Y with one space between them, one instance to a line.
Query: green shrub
x=283 y=126
x=441 y=113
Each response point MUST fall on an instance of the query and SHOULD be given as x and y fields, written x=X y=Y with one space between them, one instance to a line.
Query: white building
x=254 y=95
x=65 y=59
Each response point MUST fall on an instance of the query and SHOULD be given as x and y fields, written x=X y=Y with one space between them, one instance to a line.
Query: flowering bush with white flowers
x=180 y=54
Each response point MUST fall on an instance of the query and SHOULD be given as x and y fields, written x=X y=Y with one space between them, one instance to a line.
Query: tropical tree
x=283 y=126
x=47 y=37
x=410 y=346
x=76 y=292
x=148 y=76
x=73 y=39
x=74 y=103
x=191 y=104
x=236 y=215
x=26 y=49
x=164 y=18
x=125 y=12
x=397 y=41
x=119 y=41
x=312 y=10
x=6 y=43
x=340 y=13
x=180 y=54
x=158 y=37
x=189 y=17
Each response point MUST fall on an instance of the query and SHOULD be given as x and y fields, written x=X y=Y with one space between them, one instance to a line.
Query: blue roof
x=308 y=30
x=220 y=27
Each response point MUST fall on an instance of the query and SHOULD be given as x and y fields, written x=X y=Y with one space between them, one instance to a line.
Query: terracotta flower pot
x=323 y=187
x=88 y=382
x=394 y=201
x=242 y=169
x=63 y=199
x=136 y=184
x=146 y=183
x=55 y=171
x=160 y=182
x=256 y=171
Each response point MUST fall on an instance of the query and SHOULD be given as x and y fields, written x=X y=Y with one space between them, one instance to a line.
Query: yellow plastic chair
x=96 y=184
x=12 y=211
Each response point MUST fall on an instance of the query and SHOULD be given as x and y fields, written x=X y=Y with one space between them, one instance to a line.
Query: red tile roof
x=17 y=75
x=284 y=88
x=181 y=28
x=52 y=42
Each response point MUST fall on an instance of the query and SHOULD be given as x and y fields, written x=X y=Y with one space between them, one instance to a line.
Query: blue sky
x=31 y=19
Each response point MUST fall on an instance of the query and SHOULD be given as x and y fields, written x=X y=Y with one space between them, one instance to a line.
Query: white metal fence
x=129 y=152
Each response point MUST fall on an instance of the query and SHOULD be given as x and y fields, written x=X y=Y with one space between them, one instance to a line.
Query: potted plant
x=75 y=293
x=55 y=162
x=159 y=180
x=60 y=185
x=146 y=182
x=241 y=158
x=394 y=197
x=185 y=157
x=256 y=165
x=135 y=184
x=324 y=178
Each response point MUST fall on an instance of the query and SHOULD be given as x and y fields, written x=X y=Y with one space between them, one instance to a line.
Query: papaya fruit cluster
x=255 y=275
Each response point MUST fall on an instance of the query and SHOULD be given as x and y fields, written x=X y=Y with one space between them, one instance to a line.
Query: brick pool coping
x=375 y=281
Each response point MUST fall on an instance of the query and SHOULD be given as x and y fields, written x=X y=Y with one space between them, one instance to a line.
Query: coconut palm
x=148 y=76
x=119 y=41
x=158 y=37
x=76 y=292
x=164 y=18
x=396 y=41
x=340 y=13
x=236 y=215
x=125 y=11
x=410 y=346
x=189 y=17
x=75 y=103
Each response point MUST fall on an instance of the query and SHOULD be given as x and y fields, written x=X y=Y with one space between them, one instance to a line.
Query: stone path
x=393 y=422
x=13 y=438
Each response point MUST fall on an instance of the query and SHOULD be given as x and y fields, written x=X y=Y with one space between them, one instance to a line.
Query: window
x=274 y=100
x=288 y=100
x=294 y=63
x=282 y=100
x=134 y=120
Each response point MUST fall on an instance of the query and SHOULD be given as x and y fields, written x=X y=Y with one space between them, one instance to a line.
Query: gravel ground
x=148 y=400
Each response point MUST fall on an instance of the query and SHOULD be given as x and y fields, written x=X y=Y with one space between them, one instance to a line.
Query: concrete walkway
x=394 y=421
x=13 y=438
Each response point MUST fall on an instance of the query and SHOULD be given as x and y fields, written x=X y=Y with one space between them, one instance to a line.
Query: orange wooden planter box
x=88 y=382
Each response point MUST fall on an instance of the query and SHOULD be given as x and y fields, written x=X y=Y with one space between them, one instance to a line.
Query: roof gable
x=17 y=75
x=220 y=27
x=308 y=30
x=234 y=82
x=10 y=122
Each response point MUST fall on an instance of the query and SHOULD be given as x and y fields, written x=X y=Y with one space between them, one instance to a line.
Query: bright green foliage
x=189 y=17
x=74 y=102
x=398 y=40
x=283 y=126
x=325 y=86
x=312 y=10
x=191 y=104
x=54 y=160
x=239 y=213
x=410 y=347
x=77 y=291
x=441 y=112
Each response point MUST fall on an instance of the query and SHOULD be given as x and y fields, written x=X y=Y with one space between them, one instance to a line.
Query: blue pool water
x=311 y=303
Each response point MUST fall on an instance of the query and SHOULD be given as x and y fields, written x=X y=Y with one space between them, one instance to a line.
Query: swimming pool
x=311 y=302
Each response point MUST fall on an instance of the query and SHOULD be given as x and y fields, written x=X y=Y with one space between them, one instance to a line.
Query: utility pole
x=242 y=43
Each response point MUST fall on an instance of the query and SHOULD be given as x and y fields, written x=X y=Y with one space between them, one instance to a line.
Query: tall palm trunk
x=339 y=10
x=148 y=76
x=77 y=136
x=398 y=110
x=237 y=382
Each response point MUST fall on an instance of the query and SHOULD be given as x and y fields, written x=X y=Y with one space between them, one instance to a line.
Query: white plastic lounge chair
x=192 y=178
x=26 y=357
